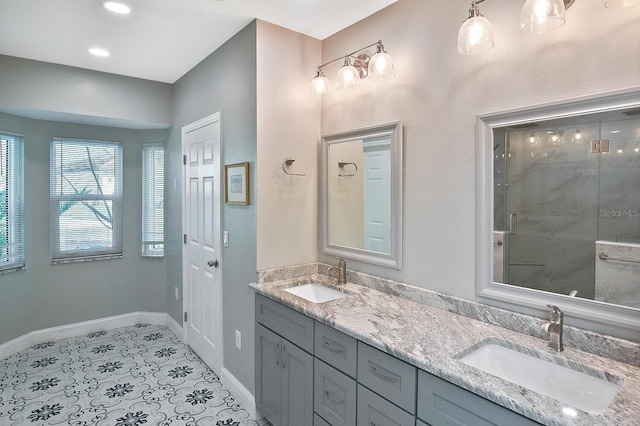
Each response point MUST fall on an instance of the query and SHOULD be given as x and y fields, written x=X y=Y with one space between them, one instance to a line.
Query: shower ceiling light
x=117 y=7
x=537 y=16
x=377 y=67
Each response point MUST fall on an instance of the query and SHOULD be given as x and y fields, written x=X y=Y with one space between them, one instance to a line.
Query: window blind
x=11 y=202
x=86 y=199
x=153 y=200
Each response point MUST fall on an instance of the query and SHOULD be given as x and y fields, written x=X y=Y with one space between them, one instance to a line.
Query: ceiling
x=159 y=40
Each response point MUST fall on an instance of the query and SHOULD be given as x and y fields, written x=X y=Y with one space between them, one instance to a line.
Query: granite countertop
x=432 y=339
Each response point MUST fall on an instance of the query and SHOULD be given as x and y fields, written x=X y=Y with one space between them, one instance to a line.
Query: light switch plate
x=225 y=238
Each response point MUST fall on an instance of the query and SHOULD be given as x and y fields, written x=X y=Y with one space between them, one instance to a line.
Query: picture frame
x=236 y=184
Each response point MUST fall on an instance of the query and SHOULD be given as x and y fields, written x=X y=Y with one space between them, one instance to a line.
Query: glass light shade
x=475 y=35
x=320 y=85
x=616 y=4
x=381 y=66
x=539 y=16
x=348 y=78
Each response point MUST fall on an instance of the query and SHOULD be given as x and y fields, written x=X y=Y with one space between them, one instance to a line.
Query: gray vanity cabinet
x=441 y=403
x=284 y=371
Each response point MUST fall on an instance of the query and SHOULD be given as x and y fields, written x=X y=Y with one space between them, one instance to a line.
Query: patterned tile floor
x=131 y=376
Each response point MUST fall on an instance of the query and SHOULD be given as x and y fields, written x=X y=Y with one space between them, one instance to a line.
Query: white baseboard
x=81 y=328
x=243 y=396
x=174 y=326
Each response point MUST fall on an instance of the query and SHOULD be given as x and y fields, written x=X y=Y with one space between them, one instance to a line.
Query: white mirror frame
x=394 y=132
x=618 y=320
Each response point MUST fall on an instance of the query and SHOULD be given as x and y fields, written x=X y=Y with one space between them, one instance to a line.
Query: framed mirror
x=559 y=208
x=362 y=194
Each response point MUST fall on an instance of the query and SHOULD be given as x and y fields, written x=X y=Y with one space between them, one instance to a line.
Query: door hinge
x=184 y=238
x=599 y=146
x=185 y=317
x=184 y=160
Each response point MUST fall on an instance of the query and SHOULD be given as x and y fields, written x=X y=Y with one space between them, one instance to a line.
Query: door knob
x=213 y=263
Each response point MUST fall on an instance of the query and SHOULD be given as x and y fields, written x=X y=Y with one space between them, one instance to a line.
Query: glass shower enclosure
x=567 y=206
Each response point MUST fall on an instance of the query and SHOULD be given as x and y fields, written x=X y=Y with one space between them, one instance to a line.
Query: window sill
x=86 y=259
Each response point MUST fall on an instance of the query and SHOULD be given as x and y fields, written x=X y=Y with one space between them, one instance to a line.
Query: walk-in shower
x=567 y=206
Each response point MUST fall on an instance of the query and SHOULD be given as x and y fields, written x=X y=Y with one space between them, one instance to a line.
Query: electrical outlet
x=238 y=340
x=175 y=293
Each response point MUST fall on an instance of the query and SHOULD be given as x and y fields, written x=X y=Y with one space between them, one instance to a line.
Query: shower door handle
x=513 y=224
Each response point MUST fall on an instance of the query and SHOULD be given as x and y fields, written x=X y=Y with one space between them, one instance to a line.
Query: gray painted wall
x=226 y=82
x=45 y=295
x=61 y=93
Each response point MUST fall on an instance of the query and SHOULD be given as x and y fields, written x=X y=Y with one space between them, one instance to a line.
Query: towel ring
x=341 y=164
x=287 y=163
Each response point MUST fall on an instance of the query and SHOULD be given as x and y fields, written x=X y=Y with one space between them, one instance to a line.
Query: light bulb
x=539 y=16
x=320 y=85
x=475 y=34
x=381 y=65
x=348 y=77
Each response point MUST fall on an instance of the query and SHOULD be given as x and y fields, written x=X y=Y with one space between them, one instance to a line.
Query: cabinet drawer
x=334 y=395
x=421 y=423
x=376 y=411
x=292 y=325
x=336 y=349
x=318 y=421
x=443 y=403
x=387 y=376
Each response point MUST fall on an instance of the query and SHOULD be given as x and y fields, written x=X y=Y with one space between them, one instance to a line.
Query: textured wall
x=437 y=94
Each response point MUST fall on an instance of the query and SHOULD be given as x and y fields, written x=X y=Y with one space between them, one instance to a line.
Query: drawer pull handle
x=283 y=355
x=329 y=396
x=374 y=370
x=329 y=346
x=278 y=354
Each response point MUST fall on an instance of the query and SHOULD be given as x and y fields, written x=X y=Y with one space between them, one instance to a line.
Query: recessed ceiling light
x=117 y=7
x=96 y=51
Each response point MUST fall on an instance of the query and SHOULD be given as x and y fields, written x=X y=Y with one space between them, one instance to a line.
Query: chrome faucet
x=554 y=328
x=342 y=270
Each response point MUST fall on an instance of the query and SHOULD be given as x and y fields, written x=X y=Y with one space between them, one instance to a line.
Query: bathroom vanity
x=373 y=358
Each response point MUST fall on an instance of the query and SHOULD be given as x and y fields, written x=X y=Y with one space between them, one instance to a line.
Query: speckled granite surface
x=388 y=322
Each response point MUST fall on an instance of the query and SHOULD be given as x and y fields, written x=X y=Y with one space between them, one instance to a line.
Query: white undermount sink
x=316 y=293
x=570 y=387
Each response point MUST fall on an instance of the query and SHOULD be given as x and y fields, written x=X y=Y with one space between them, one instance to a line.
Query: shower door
x=551 y=209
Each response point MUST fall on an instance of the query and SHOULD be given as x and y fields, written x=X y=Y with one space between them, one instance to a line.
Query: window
x=86 y=199
x=11 y=202
x=153 y=200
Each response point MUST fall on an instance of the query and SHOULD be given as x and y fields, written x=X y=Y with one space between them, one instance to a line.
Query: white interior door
x=202 y=281
x=377 y=196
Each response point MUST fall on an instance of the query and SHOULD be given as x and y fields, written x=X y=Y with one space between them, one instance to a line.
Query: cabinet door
x=444 y=404
x=297 y=386
x=269 y=374
x=374 y=410
x=334 y=395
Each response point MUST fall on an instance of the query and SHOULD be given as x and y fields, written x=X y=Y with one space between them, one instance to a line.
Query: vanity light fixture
x=537 y=16
x=376 y=67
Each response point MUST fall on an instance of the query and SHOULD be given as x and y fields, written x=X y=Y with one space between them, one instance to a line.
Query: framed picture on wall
x=236 y=184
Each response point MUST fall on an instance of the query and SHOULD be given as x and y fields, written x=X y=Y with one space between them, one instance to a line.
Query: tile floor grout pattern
x=130 y=376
